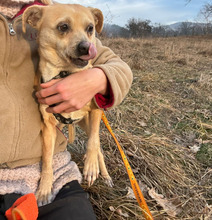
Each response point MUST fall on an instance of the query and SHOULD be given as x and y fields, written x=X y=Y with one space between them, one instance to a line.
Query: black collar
x=62 y=74
x=63 y=120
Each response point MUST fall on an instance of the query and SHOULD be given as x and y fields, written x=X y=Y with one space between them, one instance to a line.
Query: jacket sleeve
x=118 y=73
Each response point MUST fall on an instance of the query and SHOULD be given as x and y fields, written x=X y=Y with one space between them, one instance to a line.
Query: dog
x=66 y=44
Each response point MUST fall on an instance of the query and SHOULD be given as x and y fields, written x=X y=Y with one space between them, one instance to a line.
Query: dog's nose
x=83 y=48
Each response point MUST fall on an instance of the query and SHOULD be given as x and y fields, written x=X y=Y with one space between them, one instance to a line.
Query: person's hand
x=73 y=92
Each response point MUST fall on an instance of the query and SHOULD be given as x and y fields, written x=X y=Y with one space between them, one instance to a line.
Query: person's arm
x=109 y=81
x=119 y=76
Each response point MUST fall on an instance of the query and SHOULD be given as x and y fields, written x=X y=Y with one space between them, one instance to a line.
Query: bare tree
x=139 y=28
x=185 y=28
x=206 y=15
x=206 y=11
x=159 y=30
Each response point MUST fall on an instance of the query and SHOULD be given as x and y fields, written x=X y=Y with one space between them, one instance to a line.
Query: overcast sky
x=157 y=11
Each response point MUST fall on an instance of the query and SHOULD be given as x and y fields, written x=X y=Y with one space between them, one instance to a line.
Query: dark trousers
x=71 y=203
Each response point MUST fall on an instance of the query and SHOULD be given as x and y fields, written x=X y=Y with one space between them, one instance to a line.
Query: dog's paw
x=103 y=170
x=44 y=192
x=95 y=164
x=91 y=167
x=43 y=197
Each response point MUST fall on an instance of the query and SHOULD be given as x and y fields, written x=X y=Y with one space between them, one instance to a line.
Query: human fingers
x=61 y=107
x=48 y=89
x=50 y=100
x=49 y=83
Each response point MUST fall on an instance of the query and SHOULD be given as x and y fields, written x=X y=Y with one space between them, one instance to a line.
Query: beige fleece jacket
x=20 y=127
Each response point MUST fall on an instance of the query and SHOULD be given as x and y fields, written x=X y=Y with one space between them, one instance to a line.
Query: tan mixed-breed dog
x=66 y=39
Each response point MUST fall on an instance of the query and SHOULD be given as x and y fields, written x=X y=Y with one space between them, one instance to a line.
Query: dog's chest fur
x=78 y=115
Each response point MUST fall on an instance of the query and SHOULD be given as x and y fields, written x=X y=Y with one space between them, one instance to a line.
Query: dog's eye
x=63 y=27
x=90 y=29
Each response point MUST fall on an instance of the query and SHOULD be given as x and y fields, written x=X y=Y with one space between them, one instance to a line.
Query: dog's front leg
x=94 y=159
x=49 y=136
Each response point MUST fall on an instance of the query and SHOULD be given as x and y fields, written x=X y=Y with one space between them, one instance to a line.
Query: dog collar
x=63 y=120
x=62 y=74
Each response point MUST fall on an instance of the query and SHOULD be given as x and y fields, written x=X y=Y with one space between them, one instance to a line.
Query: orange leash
x=136 y=189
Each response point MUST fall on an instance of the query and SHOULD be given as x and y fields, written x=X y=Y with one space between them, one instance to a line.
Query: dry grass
x=167 y=114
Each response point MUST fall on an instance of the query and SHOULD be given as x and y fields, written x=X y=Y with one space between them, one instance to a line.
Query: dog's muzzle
x=86 y=51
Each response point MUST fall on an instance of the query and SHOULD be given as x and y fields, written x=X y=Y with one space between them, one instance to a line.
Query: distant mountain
x=175 y=26
x=178 y=25
x=115 y=31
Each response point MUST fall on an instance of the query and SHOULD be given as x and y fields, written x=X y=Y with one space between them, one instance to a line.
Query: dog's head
x=66 y=33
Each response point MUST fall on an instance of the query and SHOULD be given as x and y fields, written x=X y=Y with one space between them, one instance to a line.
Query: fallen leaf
x=168 y=207
x=136 y=170
x=144 y=188
x=112 y=208
x=142 y=123
x=194 y=148
x=119 y=211
x=130 y=193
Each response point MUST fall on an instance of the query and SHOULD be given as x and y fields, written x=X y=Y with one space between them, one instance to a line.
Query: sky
x=157 y=11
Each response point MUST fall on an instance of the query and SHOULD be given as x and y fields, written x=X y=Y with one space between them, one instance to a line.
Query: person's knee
x=70 y=208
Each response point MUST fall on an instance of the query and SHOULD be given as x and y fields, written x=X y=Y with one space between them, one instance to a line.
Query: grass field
x=165 y=128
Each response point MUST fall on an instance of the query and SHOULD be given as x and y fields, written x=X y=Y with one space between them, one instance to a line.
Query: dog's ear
x=99 y=18
x=32 y=16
